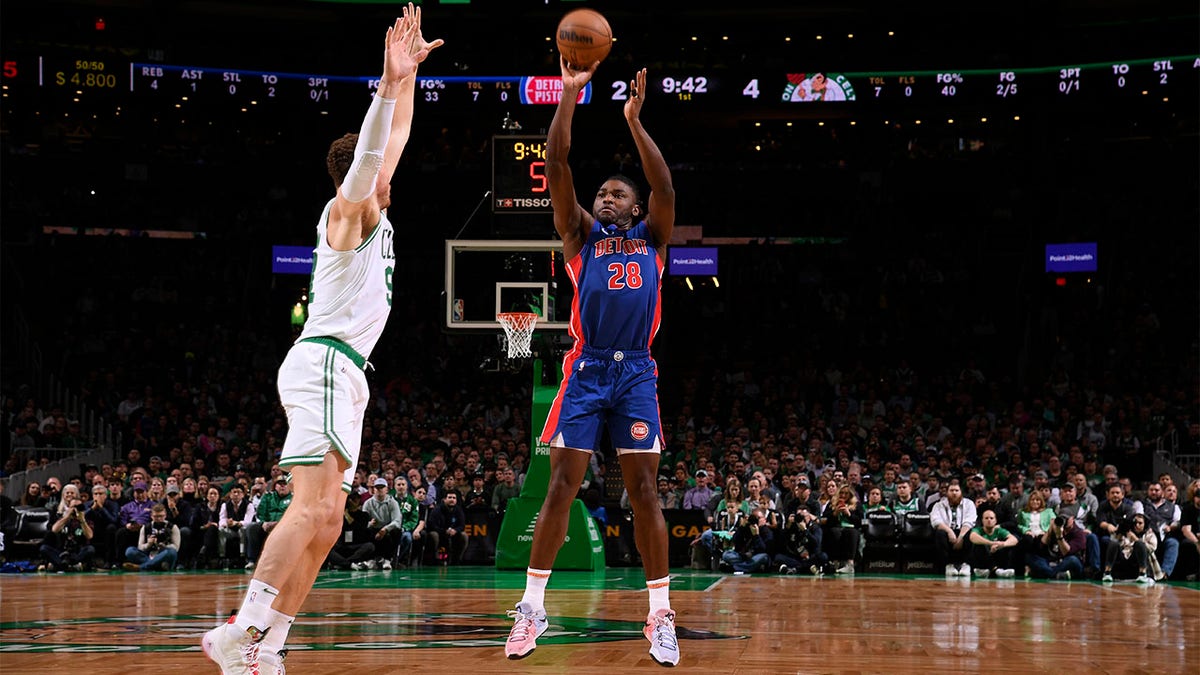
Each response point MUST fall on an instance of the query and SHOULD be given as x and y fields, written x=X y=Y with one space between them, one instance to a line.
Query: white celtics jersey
x=350 y=294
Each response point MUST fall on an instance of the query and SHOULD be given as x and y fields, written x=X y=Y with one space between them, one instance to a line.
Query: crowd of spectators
x=918 y=346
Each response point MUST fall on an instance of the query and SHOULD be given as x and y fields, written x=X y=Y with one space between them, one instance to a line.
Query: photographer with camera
x=74 y=536
x=1070 y=506
x=801 y=544
x=1059 y=554
x=748 y=549
x=1132 y=548
x=179 y=514
x=158 y=544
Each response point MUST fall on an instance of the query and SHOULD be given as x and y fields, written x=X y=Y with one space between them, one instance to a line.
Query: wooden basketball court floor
x=439 y=620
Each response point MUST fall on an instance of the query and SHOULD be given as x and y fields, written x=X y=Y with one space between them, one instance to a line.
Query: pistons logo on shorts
x=639 y=431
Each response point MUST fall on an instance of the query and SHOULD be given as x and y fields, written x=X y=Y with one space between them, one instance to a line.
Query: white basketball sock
x=535 y=588
x=660 y=591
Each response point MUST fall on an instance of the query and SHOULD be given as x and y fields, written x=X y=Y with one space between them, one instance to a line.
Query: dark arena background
x=971 y=258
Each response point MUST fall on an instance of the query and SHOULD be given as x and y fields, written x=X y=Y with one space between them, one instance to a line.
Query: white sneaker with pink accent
x=660 y=631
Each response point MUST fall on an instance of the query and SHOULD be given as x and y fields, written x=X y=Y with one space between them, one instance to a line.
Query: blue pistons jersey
x=608 y=375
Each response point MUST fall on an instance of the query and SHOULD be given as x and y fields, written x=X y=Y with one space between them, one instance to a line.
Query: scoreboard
x=745 y=92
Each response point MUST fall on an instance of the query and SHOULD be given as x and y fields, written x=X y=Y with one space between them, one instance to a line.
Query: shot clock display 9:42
x=519 y=183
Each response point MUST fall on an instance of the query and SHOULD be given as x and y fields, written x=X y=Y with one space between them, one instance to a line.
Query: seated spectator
x=420 y=533
x=667 y=498
x=906 y=501
x=1059 y=553
x=410 y=517
x=800 y=545
x=725 y=517
x=758 y=497
x=71 y=538
x=748 y=549
x=52 y=494
x=235 y=515
x=994 y=501
x=267 y=515
x=1190 y=532
x=1130 y=553
x=875 y=502
x=1164 y=518
x=1070 y=507
x=386 y=522
x=158 y=544
x=953 y=518
x=134 y=515
x=104 y=517
x=697 y=497
x=446 y=535
x=992 y=547
x=32 y=496
x=1112 y=514
x=355 y=548
x=206 y=526
x=1033 y=521
x=505 y=490
x=841 y=533
x=179 y=514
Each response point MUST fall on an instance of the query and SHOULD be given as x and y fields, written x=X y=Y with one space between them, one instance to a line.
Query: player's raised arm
x=354 y=206
x=403 y=114
x=570 y=219
x=660 y=216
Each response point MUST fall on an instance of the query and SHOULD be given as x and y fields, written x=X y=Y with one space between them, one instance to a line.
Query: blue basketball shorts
x=606 y=387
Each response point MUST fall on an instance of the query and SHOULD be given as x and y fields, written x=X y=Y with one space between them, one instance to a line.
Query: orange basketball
x=584 y=37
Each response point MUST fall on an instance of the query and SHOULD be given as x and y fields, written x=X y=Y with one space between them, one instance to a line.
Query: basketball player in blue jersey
x=321 y=383
x=615 y=256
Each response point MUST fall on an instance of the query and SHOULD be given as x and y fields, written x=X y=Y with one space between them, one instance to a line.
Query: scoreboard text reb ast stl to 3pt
x=81 y=75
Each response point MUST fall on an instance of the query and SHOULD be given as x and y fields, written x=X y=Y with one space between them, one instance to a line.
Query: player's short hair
x=340 y=157
x=637 y=193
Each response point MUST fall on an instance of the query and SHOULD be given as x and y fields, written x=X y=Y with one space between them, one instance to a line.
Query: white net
x=518 y=329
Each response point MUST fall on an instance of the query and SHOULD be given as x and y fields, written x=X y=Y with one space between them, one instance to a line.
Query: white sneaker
x=1143 y=579
x=250 y=565
x=528 y=626
x=1005 y=573
x=234 y=650
x=964 y=570
x=848 y=568
x=270 y=663
x=951 y=571
x=983 y=574
x=387 y=564
x=369 y=564
x=1107 y=578
x=660 y=631
x=358 y=566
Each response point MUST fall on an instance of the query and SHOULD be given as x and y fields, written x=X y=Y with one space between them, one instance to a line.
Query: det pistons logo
x=639 y=431
x=547 y=90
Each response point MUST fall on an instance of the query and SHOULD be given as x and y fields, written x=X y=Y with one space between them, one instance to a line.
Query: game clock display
x=519 y=183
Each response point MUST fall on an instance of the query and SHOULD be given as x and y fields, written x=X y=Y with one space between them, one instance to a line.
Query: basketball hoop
x=518 y=329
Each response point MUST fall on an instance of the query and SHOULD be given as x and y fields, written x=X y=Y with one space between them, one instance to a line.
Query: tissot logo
x=315 y=631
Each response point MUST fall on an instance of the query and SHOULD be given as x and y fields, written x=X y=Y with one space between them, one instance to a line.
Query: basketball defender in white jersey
x=321 y=382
